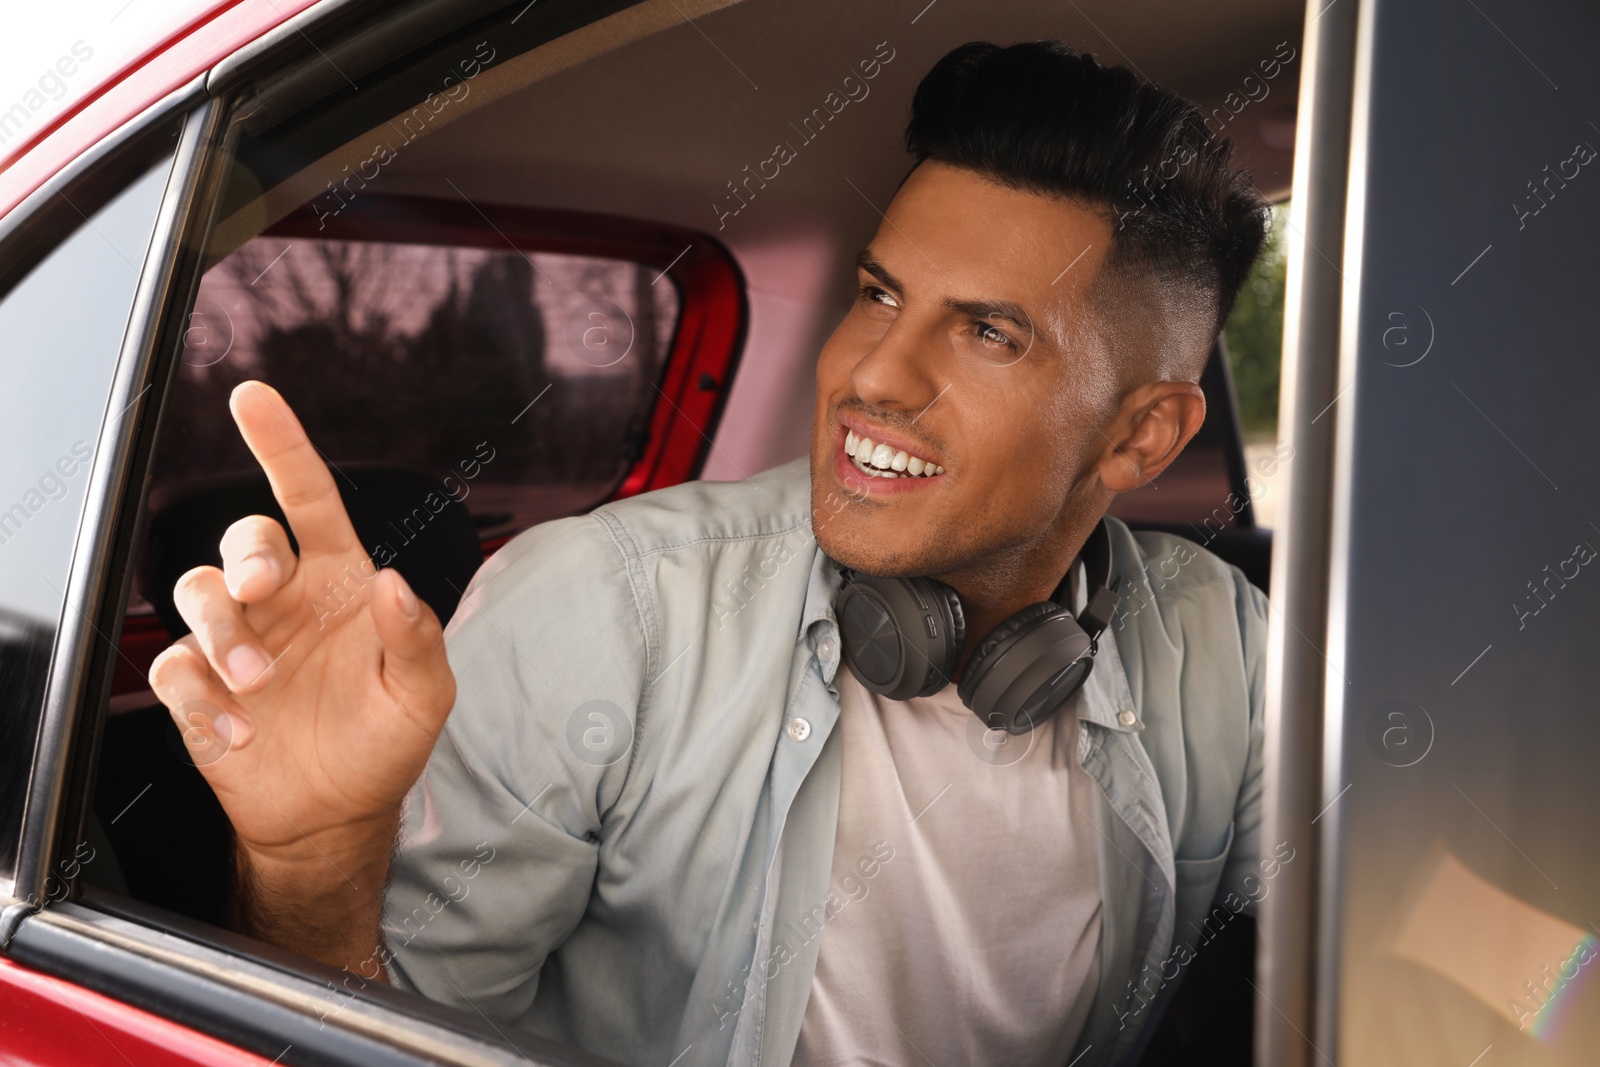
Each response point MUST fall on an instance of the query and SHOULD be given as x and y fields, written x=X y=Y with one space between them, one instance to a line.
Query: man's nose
x=901 y=371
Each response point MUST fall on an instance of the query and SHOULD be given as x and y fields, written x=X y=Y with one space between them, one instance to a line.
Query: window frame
x=713 y=315
x=28 y=235
x=32 y=226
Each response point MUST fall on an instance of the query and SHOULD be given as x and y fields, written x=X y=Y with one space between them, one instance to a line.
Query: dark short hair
x=1044 y=118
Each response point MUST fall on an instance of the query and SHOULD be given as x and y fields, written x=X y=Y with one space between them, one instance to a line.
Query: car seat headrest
x=425 y=533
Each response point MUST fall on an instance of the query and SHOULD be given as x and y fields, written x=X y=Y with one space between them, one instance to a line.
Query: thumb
x=415 y=669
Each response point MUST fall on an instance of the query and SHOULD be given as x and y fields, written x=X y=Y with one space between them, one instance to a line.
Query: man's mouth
x=881 y=461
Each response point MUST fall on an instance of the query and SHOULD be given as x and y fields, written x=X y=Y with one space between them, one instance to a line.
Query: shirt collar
x=821 y=588
x=1105 y=698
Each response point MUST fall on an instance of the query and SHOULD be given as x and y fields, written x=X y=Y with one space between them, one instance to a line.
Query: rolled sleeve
x=499 y=844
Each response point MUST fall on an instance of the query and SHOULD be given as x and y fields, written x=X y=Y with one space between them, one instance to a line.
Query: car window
x=528 y=362
x=515 y=383
x=62 y=326
x=522 y=359
x=1254 y=337
x=521 y=379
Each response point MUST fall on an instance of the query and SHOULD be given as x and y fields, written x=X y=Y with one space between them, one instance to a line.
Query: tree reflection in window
x=418 y=354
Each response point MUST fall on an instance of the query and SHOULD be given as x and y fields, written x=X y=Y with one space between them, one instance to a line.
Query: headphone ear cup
x=1029 y=668
x=978 y=665
x=901 y=636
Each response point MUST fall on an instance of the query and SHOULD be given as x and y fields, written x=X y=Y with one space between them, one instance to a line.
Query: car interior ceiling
x=640 y=117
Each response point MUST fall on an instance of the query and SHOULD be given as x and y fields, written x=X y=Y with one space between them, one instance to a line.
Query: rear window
x=522 y=379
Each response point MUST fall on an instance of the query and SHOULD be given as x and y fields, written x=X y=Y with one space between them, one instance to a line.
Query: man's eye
x=993 y=335
x=876 y=295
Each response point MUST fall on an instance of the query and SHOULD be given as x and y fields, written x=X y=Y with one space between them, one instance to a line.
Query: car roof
x=184 y=48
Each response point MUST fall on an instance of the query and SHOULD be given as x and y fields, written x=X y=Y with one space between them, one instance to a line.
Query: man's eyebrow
x=990 y=310
x=866 y=261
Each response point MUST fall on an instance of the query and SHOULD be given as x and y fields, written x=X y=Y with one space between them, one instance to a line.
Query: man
x=662 y=822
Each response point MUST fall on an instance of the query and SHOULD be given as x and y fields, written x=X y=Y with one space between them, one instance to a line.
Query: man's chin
x=877 y=566
x=851 y=545
x=855 y=532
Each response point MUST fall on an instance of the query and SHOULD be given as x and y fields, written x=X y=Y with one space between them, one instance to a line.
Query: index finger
x=300 y=479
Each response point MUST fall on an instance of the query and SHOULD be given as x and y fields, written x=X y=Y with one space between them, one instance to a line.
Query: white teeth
x=884 y=461
x=867 y=468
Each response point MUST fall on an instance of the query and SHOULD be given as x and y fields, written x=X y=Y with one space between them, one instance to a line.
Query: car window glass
x=62 y=327
x=1254 y=336
x=458 y=363
x=1196 y=494
x=522 y=380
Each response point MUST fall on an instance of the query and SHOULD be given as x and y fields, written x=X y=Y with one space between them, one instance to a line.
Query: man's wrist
x=325 y=902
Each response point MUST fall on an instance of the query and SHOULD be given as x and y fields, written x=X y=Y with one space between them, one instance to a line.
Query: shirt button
x=825 y=649
x=799 y=729
x=1126 y=717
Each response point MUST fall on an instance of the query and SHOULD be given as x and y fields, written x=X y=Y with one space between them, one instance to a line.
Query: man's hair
x=1044 y=118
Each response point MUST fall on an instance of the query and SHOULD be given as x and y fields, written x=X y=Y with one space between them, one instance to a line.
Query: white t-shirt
x=966 y=927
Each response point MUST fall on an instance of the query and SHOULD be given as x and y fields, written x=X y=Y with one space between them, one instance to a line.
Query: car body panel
x=51 y=1021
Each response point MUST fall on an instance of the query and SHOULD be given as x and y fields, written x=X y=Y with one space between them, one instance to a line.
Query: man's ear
x=1152 y=425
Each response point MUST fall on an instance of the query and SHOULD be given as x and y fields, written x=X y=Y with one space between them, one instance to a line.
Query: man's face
x=970 y=347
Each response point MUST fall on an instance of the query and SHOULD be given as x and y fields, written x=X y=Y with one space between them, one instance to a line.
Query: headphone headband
x=1096 y=556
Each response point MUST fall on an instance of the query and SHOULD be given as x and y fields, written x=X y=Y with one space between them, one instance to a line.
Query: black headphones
x=903 y=637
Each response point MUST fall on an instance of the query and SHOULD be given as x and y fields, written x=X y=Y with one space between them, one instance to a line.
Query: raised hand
x=310 y=693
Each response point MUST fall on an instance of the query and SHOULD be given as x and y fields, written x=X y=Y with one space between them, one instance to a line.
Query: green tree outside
x=1254 y=334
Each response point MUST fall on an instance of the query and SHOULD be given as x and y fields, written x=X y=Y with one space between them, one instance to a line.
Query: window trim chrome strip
x=75 y=631
x=1298 y=682
x=1330 y=898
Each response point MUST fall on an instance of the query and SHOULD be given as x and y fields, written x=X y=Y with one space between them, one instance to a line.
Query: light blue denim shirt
x=631 y=809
